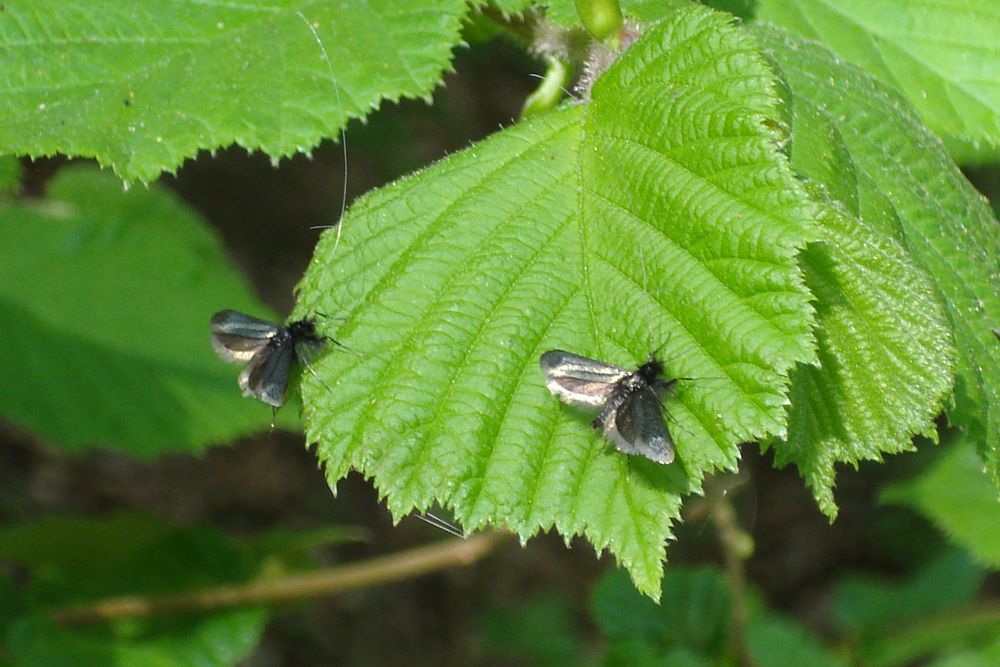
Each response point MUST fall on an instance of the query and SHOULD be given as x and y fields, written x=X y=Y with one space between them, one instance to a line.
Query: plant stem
x=736 y=547
x=411 y=563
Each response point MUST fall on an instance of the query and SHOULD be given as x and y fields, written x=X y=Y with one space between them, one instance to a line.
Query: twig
x=736 y=547
x=404 y=565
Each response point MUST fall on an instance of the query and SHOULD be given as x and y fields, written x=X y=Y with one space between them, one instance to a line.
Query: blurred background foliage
x=905 y=576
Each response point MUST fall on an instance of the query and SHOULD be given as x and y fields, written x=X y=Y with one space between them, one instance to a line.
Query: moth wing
x=578 y=380
x=638 y=428
x=266 y=376
x=239 y=337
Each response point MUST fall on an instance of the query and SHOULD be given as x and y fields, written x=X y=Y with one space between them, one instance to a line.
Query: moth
x=631 y=412
x=269 y=351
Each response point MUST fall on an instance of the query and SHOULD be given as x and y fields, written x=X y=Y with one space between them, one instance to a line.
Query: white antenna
x=440 y=523
x=343 y=128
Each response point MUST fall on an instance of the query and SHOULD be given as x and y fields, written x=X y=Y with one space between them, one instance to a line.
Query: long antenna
x=440 y=523
x=343 y=127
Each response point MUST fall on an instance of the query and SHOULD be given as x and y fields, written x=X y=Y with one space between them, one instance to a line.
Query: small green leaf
x=693 y=614
x=942 y=54
x=11 y=604
x=540 y=632
x=640 y=653
x=776 y=641
x=988 y=656
x=870 y=606
x=10 y=175
x=219 y=640
x=953 y=630
x=956 y=496
x=906 y=187
x=73 y=560
x=106 y=297
x=143 y=86
x=454 y=281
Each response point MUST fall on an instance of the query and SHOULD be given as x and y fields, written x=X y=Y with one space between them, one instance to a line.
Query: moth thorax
x=651 y=371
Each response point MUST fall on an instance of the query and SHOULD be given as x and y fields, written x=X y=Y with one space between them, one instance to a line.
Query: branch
x=411 y=563
x=736 y=547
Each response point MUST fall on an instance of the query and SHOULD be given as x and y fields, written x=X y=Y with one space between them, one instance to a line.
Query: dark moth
x=631 y=412
x=268 y=350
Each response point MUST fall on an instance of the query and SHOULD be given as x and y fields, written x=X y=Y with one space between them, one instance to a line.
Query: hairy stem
x=411 y=563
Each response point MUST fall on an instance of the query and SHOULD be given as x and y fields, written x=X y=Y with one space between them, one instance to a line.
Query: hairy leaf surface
x=141 y=86
x=944 y=55
x=884 y=346
x=658 y=215
x=898 y=179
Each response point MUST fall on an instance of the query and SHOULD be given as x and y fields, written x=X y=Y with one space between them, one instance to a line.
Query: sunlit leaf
x=141 y=86
x=658 y=215
x=898 y=179
x=942 y=54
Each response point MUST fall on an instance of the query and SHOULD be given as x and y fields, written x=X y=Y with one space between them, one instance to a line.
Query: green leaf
x=988 y=656
x=11 y=604
x=884 y=350
x=540 y=632
x=279 y=551
x=10 y=175
x=956 y=496
x=71 y=560
x=215 y=641
x=869 y=605
x=106 y=297
x=908 y=188
x=639 y=653
x=661 y=212
x=942 y=54
x=954 y=630
x=692 y=625
x=144 y=86
x=693 y=614
x=775 y=641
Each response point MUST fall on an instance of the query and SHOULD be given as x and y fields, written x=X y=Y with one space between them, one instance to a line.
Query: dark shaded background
x=266 y=216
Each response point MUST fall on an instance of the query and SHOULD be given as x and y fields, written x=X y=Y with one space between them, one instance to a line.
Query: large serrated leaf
x=659 y=213
x=884 y=356
x=906 y=187
x=944 y=55
x=104 y=311
x=143 y=86
x=884 y=347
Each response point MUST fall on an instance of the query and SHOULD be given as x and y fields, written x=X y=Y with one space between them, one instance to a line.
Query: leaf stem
x=372 y=572
x=737 y=546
